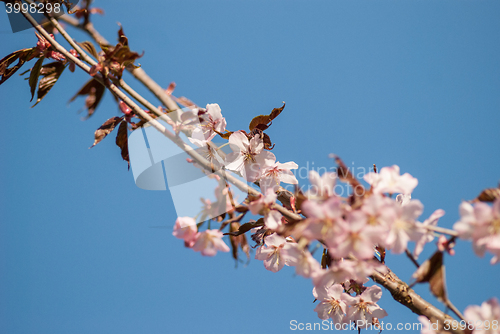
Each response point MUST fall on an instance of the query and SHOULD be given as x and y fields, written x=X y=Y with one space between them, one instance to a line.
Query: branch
x=138 y=73
x=158 y=126
x=406 y=296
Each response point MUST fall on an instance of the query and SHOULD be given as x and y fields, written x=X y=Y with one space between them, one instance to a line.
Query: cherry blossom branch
x=407 y=297
x=399 y=289
x=138 y=73
x=139 y=111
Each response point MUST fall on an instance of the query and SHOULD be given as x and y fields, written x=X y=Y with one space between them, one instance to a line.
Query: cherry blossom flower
x=274 y=253
x=212 y=121
x=305 y=264
x=275 y=172
x=332 y=304
x=481 y=223
x=426 y=325
x=358 y=238
x=321 y=186
x=323 y=220
x=263 y=206
x=485 y=318
x=209 y=242
x=185 y=228
x=403 y=227
x=425 y=235
x=248 y=155
x=389 y=181
x=363 y=308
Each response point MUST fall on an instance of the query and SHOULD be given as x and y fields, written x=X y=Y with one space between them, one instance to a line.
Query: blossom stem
x=441 y=230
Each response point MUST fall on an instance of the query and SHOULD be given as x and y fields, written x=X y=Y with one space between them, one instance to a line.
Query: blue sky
x=412 y=83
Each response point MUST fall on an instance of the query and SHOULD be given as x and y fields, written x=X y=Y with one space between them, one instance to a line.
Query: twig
x=412 y=258
x=441 y=230
x=138 y=73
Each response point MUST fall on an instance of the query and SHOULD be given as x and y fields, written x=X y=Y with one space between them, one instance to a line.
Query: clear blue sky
x=413 y=83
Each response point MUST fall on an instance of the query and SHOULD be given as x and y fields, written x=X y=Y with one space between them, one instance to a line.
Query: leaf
x=489 y=195
x=239 y=241
x=432 y=271
x=105 y=129
x=50 y=74
x=246 y=227
x=262 y=122
x=22 y=56
x=122 y=141
x=35 y=73
x=90 y=48
x=94 y=91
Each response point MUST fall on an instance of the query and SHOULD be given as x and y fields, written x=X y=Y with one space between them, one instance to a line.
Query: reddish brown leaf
x=259 y=120
x=35 y=73
x=122 y=141
x=90 y=48
x=50 y=74
x=105 y=129
x=94 y=91
x=489 y=195
x=22 y=56
x=239 y=241
x=432 y=271
x=246 y=227
x=262 y=122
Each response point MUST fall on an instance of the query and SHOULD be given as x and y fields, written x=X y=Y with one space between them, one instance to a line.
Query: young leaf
x=94 y=91
x=489 y=195
x=122 y=141
x=432 y=271
x=246 y=227
x=262 y=122
x=23 y=56
x=35 y=73
x=239 y=241
x=50 y=74
x=105 y=129
x=90 y=48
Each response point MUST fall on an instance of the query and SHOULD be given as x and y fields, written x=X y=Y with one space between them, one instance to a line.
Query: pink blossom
x=424 y=235
x=389 y=181
x=323 y=220
x=358 y=238
x=481 y=223
x=332 y=304
x=274 y=253
x=185 y=228
x=321 y=186
x=263 y=206
x=275 y=172
x=209 y=242
x=248 y=156
x=337 y=273
x=363 y=308
x=485 y=318
x=403 y=227
x=212 y=121
x=305 y=264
